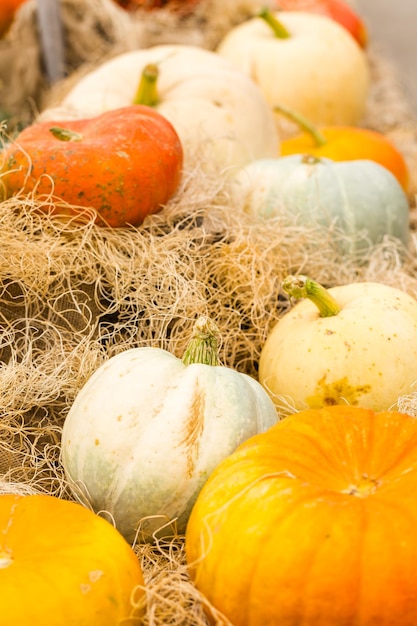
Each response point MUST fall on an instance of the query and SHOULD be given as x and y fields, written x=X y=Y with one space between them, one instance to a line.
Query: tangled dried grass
x=73 y=294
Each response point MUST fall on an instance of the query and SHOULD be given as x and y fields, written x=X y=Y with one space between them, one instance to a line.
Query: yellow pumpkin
x=62 y=565
x=313 y=523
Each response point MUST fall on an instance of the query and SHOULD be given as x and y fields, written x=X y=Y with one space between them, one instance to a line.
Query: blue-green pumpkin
x=361 y=201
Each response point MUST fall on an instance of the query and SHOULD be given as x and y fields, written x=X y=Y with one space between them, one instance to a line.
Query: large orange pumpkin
x=125 y=164
x=62 y=565
x=313 y=523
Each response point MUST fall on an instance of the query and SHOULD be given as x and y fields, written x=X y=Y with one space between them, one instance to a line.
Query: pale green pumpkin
x=359 y=199
x=148 y=428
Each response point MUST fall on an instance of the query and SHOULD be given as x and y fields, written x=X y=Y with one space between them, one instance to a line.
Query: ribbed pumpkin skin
x=146 y=431
x=313 y=523
x=62 y=565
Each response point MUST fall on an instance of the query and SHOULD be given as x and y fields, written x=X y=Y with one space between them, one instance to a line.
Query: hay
x=171 y=597
x=74 y=294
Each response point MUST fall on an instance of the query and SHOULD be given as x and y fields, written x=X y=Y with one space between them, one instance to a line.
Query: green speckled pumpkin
x=125 y=164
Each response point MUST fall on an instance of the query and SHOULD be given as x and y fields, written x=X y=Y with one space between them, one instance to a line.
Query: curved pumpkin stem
x=203 y=346
x=276 y=26
x=147 y=92
x=303 y=123
x=65 y=134
x=304 y=287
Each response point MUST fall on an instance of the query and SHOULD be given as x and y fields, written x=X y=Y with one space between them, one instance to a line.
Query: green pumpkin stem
x=303 y=123
x=147 y=92
x=203 y=346
x=276 y=26
x=65 y=134
x=304 y=287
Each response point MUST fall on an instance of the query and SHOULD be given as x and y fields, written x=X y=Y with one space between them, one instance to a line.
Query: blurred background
x=392 y=25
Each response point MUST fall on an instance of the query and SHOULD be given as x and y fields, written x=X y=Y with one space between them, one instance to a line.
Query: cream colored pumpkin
x=218 y=111
x=319 y=70
x=148 y=428
x=353 y=344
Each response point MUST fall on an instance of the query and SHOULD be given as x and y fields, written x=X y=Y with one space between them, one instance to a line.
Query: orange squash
x=62 y=565
x=125 y=164
x=313 y=523
x=8 y=10
x=182 y=7
x=304 y=61
x=344 y=143
x=337 y=10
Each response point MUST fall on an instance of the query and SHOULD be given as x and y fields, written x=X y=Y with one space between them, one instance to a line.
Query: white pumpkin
x=360 y=200
x=213 y=106
x=353 y=344
x=147 y=430
x=319 y=70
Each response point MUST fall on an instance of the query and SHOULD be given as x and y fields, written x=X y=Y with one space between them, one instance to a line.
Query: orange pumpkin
x=62 y=565
x=183 y=7
x=313 y=523
x=8 y=10
x=125 y=164
x=337 y=10
x=344 y=143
